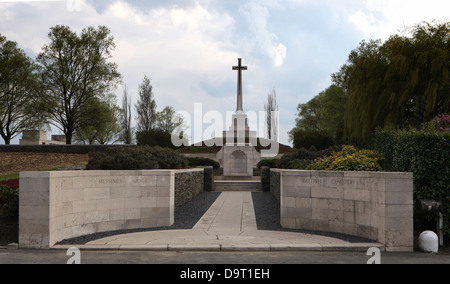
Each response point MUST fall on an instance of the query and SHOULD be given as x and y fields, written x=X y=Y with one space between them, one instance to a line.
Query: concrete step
x=237 y=178
x=237 y=185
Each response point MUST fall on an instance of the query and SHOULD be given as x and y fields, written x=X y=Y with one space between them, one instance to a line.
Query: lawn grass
x=9 y=176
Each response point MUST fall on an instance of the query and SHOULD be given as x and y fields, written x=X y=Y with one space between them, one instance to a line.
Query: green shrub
x=384 y=141
x=424 y=152
x=302 y=158
x=348 y=159
x=136 y=158
x=288 y=160
x=122 y=159
x=9 y=198
x=271 y=163
x=319 y=139
x=199 y=161
x=168 y=158
x=154 y=137
x=442 y=122
x=299 y=164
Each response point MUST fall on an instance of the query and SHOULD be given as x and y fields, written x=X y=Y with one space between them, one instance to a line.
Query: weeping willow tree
x=403 y=81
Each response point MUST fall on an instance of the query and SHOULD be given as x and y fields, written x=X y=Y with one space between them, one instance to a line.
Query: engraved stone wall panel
x=54 y=206
x=373 y=205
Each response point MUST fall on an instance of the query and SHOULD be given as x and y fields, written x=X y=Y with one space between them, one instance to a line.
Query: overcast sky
x=188 y=47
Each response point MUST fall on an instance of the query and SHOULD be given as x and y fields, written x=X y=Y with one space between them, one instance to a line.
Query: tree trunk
x=69 y=138
x=6 y=137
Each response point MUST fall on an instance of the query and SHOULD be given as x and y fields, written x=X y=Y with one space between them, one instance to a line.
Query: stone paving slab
x=228 y=225
x=196 y=240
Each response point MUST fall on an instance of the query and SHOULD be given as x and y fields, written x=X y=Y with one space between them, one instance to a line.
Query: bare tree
x=126 y=136
x=271 y=108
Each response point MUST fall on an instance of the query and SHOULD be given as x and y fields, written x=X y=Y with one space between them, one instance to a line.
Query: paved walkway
x=228 y=225
x=232 y=212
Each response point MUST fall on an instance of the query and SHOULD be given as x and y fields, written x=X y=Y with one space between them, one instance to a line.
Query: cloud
x=188 y=47
x=173 y=38
x=170 y=38
x=278 y=54
x=383 y=18
x=178 y=47
x=365 y=22
x=256 y=15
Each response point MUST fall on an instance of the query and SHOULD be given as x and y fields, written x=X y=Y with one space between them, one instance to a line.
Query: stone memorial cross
x=239 y=68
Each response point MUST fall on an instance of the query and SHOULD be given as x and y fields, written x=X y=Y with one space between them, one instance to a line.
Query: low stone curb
x=228 y=247
x=12 y=246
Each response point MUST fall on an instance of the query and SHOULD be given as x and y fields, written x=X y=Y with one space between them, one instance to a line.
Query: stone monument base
x=238 y=161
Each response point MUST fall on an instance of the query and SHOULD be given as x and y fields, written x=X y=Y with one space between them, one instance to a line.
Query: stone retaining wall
x=54 y=206
x=373 y=205
x=274 y=181
x=187 y=186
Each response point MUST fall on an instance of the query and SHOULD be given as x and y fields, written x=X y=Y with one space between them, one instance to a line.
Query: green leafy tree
x=307 y=138
x=100 y=124
x=309 y=115
x=403 y=81
x=75 y=69
x=18 y=90
x=324 y=113
x=168 y=120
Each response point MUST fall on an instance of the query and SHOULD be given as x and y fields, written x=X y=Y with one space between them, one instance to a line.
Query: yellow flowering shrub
x=348 y=159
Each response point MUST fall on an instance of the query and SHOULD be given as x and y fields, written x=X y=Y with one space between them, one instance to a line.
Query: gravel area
x=185 y=218
x=267 y=211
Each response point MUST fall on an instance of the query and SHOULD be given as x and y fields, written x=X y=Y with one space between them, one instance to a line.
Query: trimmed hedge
x=136 y=158
x=271 y=163
x=424 y=152
x=199 y=161
x=154 y=137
